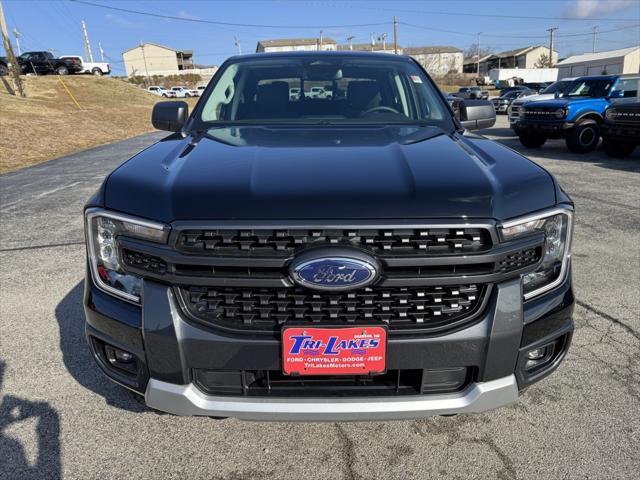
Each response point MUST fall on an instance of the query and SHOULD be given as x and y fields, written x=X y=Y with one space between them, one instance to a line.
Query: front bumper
x=621 y=133
x=169 y=347
x=551 y=129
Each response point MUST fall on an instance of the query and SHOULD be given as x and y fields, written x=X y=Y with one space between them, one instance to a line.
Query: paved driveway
x=60 y=417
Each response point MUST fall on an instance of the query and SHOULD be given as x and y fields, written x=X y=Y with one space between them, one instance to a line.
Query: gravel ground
x=59 y=417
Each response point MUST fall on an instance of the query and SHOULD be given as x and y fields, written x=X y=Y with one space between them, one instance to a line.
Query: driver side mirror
x=477 y=114
x=170 y=116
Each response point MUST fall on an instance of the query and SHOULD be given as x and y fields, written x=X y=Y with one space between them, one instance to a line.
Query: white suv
x=161 y=92
x=182 y=92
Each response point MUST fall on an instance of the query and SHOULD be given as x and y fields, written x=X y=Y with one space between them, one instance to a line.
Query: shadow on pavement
x=77 y=357
x=14 y=462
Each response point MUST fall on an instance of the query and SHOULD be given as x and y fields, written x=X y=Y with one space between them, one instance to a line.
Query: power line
x=496 y=35
x=457 y=14
x=230 y=24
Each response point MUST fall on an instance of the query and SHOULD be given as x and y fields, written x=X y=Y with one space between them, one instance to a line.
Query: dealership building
x=625 y=60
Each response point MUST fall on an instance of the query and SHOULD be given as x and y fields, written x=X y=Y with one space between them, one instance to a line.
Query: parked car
x=94 y=68
x=319 y=92
x=161 y=92
x=536 y=86
x=327 y=260
x=576 y=116
x=199 y=89
x=472 y=93
x=548 y=93
x=182 y=92
x=621 y=128
x=42 y=63
x=506 y=90
x=501 y=104
x=294 y=93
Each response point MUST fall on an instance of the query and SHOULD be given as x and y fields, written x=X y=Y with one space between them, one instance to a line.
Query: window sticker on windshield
x=416 y=79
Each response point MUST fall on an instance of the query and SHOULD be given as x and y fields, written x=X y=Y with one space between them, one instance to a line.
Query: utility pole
x=14 y=68
x=236 y=42
x=320 y=42
x=395 y=34
x=350 y=40
x=593 y=49
x=101 y=52
x=16 y=34
x=478 y=53
x=372 y=38
x=87 y=45
x=551 y=31
x=144 y=59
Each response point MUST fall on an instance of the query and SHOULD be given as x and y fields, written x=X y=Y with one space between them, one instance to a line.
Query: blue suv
x=577 y=115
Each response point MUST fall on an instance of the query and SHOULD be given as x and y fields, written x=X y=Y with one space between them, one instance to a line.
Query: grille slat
x=285 y=242
x=266 y=308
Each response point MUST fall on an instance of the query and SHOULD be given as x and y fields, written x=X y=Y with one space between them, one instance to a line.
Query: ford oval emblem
x=324 y=272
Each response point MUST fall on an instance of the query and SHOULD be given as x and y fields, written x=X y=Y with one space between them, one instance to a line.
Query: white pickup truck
x=182 y=92
x=94 y=68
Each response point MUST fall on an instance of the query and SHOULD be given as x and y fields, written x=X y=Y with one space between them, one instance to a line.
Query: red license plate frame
x=353 y=350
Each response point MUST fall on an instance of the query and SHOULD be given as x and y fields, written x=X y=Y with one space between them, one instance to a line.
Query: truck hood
x=328 y=173
x=533 y=98
x=576 y=103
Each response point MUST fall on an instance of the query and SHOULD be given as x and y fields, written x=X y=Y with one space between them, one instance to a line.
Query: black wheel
x=616 y=149
x=165 y=95
x=532 y=140
x=62 y=70
x=583 y=137
x=97 y=72
x=3 y=69
x=187 y=95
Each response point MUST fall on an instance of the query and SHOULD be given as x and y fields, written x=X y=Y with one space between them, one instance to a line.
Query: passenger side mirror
x=170 y=116
x=477 y=114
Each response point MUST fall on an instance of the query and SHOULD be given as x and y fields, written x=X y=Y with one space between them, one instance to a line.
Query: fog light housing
x=120 y=359
x=536 y=353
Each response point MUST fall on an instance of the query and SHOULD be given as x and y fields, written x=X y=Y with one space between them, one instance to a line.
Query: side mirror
x=170 y=116
x=616 y=94
x=477 y=114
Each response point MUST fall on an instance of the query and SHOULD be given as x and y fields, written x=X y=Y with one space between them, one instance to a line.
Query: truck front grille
x=433 y=309
x=285 y=242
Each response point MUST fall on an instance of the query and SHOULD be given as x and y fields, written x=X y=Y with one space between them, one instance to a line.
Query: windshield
x=557 y=87
x=323 y=90
x=596 y=88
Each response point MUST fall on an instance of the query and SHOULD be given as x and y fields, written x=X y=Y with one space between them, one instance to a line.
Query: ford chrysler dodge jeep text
x=353 y=256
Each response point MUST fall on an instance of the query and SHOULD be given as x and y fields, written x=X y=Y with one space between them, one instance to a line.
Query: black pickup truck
x=359 y=256
x=42 y=63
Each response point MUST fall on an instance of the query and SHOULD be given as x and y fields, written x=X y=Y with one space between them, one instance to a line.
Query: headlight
x=103 y=230
x=610 y=114
x=557 y=226
x=560 y=112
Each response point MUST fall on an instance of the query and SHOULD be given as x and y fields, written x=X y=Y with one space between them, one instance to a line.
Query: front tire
x=583 y=137
x=3 y=70
x=97 y=72
x=62 y=70
x=617 y=150
x=532 y=140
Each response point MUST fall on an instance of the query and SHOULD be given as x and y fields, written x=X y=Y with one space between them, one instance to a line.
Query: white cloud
x=592 y=8
x=187 y=15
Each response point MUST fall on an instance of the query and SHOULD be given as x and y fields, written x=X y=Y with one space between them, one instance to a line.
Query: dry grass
x=47 y=124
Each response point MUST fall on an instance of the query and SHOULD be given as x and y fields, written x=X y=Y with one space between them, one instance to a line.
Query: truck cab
x=576 y=116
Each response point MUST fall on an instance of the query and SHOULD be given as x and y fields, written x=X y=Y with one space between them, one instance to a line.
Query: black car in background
x=621 y=129
x=358 y=256
x=43 y=63
x=501 y=104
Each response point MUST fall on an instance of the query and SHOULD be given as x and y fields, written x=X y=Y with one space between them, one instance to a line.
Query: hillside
x=47 y=124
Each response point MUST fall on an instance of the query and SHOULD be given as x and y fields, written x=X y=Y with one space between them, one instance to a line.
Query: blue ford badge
x=334 y=272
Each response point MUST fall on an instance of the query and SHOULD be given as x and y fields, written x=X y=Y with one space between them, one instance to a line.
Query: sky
x=505 y=24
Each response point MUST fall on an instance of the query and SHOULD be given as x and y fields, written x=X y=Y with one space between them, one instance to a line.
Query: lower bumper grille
x=423 y=309
x=273 y=383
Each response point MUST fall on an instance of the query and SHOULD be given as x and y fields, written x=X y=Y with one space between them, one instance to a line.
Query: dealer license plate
x=334 y=351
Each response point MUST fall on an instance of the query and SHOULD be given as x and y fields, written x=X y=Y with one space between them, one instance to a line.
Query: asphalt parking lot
x=59 y=417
